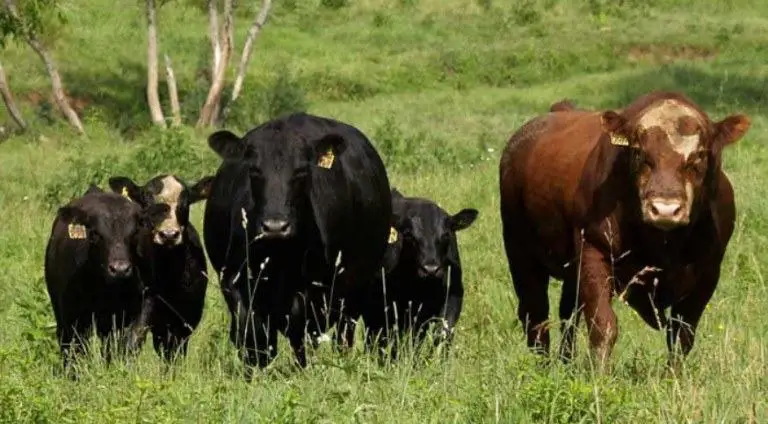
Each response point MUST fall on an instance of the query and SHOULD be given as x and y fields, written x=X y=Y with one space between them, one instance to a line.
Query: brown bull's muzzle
x=666 y=213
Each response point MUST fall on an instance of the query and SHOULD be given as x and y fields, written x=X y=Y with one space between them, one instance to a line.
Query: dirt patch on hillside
x=662 y=53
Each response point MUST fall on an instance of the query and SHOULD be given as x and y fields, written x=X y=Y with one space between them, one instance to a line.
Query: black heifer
x=309 y=198
x=94 y=270
x=178 y=259
x=423 y=279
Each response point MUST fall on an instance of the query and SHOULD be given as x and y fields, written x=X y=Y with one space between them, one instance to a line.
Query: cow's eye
x=697 y=162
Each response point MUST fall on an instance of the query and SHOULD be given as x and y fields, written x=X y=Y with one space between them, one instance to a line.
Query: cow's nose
x=169 y=235
x=275 y=227
x=667 y=213
x=120 y=268
x=432 y=270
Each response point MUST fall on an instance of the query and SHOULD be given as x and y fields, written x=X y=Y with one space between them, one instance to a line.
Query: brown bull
x=631 y=202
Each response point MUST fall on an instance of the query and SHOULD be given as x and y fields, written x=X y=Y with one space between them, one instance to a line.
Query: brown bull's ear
x=127 y=188
x=201 y=190
x=327 y=148
x=731 y=129
x=613 y=124
x=226 y=144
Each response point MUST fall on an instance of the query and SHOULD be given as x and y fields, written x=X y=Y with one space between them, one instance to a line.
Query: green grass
x=439 y=85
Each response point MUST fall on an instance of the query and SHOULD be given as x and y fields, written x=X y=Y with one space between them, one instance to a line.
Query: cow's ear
x=731 y=129
x=92 y=189
x=226 y=144
x=463 y=219
x=155 y=214
x=613 y=124
x=396 y=194
x=127 y=188
x=201 y=190
x=327 y=148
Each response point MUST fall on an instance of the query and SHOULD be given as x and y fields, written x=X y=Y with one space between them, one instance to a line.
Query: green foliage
x=31 y=17
x=438 y=86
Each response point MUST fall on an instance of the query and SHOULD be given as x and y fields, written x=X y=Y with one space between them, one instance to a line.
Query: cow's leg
x=530 y=280
x=73 y=341
x=686 y=315
x=569 y=317
x=296 y=330
x=137 y=331
x=595 y=292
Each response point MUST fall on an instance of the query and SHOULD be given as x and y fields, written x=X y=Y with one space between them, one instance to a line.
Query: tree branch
x=10 y=104
x=210 y=110
x=57 y=85
x=253 y=32
x=153 y=98
x=213 y=34
x=173 y=92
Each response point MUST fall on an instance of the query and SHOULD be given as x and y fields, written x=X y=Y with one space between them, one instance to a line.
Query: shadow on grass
x=716 y=90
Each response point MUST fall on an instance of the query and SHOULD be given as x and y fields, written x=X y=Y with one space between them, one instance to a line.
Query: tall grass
x=439 y=85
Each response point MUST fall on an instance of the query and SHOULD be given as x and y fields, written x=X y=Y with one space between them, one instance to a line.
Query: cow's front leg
x=137 y=332
x=685 y=316
x=595 y=292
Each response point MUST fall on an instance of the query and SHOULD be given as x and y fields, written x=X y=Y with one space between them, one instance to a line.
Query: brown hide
x=579 y=191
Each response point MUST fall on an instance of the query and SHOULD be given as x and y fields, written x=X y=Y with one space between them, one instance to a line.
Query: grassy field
x=439 y=85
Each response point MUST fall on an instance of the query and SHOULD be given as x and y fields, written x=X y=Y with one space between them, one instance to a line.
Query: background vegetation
x=439 y=85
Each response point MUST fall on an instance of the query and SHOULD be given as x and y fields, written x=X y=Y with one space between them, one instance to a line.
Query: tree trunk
x=209 y=111
x=10 y=104
x=213 y=34
x=153 y=98
x=173 y=93
x=56 y=84
x=253 y=32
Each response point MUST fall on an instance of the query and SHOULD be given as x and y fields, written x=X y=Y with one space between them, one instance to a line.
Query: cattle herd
x=306 y=235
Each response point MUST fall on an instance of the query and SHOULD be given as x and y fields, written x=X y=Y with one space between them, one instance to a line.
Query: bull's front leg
x=686 y=313
x=595 y=293
x=296 y=328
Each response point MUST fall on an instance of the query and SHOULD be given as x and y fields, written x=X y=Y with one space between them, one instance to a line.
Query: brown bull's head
x=675 y=151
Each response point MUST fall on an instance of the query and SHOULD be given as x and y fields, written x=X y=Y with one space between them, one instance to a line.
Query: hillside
x=439 y=85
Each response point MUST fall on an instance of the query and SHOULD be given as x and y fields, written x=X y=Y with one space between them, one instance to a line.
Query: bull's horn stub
x=326 y=159
x=619 y=140
x=392 y=235
x=76 y=231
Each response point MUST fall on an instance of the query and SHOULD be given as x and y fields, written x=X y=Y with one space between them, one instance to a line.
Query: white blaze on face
x=666 y=116
x=169 y=195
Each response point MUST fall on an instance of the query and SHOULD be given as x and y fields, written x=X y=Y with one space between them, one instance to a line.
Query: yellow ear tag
x=326 y=160
x=124 y=193
x=392 y=235
x=76 y=231
x=619 y=140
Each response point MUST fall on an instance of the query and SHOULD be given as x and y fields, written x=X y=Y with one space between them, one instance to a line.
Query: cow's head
x=165 y=190
x=280 y=165
x=429 y=234
x=675 y=152
x=113 y=227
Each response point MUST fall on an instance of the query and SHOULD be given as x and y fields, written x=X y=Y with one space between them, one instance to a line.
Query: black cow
x=181 y=274
x=95 y=271
x=309 y=198
x=423 y=278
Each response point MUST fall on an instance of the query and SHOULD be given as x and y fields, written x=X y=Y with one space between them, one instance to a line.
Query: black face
x=429 y=234
x=280 y=165
x=165 y=190
x=113 y=229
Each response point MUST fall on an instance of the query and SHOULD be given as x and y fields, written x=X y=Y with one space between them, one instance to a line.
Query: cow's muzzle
x=276 y=229
x=666 y=213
